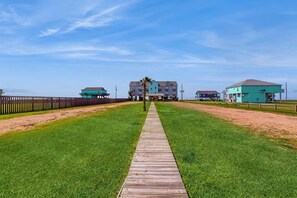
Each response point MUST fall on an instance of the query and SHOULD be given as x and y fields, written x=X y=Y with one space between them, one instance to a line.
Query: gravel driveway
x=271 y=124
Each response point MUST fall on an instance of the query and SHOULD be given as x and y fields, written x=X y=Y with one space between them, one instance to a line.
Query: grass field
x=283 y=108
x=219 y=159
x=78 y=157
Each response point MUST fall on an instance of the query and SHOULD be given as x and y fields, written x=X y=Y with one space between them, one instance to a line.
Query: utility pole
x=286 y=91
x=116 y=92
x=182 y=92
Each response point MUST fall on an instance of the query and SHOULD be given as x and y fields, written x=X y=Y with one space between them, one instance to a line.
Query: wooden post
x=248 y=105
x=296 y=108
x=42 y=103
x=259 y=106
x=52 y=103
x=59 y=103
x=1 y=105
x=32 y=103
x=275 y=107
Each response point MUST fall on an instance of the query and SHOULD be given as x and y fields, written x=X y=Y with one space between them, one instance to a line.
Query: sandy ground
x=273 y=125
x=29 y=122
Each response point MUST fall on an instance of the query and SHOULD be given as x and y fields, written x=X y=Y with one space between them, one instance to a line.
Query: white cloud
x=86 y=49
x=48 y=32
x=100 y=19
x=11 y=16
x=84 y=20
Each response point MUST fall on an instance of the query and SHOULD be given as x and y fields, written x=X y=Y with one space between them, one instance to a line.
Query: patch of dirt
x=29 y=122
x=273 y=125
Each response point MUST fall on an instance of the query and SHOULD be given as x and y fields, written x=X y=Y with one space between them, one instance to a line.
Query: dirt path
x=29 y=122
x=274 y=125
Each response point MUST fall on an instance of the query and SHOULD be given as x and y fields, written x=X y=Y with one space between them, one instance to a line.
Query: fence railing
x=21 y=104
x=290 y=108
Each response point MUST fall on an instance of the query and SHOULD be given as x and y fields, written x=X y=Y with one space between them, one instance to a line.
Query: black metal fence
x=21 y=104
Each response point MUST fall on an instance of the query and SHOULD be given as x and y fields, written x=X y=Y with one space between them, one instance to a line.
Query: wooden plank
x=153 y=171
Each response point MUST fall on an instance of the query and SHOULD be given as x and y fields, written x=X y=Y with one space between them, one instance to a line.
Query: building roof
x=135 y=83
x=167 y=83
x=207 y=92
x=253 y=82
x=94 y=88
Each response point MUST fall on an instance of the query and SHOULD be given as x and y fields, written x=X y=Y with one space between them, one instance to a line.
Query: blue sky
x=56 y=48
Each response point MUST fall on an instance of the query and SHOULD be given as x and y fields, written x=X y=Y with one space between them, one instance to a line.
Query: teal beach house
x=94 y=92
x=253 y=91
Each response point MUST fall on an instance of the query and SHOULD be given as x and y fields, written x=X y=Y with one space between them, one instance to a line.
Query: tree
x=144 y=82
x=130 y=94
x=1 y=92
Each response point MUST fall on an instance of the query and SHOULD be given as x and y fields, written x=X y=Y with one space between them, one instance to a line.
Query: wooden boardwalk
x=153 y=172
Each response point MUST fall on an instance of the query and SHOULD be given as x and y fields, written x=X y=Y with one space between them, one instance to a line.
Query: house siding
x=252 y=93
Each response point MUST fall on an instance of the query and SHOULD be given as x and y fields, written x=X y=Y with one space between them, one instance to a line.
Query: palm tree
x=144 y=82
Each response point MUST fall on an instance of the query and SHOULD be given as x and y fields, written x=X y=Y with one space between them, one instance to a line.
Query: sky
x=57 y=48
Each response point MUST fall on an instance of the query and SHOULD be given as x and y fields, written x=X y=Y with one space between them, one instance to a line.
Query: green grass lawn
x=219 y=159
x=78 y=157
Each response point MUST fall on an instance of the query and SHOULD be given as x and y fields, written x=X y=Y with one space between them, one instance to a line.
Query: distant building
x=135 y=90
x=207 y=95
x=252 y=91
x=94 y=92
x=156 y=90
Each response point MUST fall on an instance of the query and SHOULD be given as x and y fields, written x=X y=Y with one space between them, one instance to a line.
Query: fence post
x=259 y=106
x=296 y=108
x=59 y=103
x=1 y=105
x=52 y=103
x=275 y=107
x=32 y=103
x=248 y=105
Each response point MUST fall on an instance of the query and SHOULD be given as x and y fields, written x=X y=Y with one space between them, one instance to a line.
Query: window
x=238 y=95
